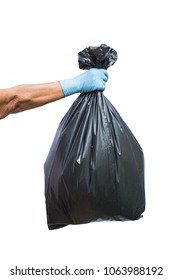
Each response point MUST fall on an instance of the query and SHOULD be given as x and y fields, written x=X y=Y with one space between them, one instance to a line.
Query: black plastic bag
x=95 y=168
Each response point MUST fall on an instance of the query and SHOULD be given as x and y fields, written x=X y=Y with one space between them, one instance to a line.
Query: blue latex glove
x=92 y=80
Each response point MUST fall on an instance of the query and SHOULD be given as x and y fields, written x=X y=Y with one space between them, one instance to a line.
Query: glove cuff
x=69 y=86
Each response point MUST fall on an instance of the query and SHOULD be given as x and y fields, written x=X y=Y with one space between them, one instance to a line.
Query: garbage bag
x=95 y=167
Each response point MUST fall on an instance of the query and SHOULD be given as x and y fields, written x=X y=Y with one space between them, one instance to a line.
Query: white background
x=39 y=42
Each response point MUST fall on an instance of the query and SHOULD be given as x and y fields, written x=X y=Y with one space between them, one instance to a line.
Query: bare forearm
x=32 y=96
x=25 y=97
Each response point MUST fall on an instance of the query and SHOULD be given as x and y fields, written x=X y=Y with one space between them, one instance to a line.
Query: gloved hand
x=92 y=80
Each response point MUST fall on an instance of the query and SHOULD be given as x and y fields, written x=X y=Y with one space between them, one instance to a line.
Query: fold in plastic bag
x=95 y=168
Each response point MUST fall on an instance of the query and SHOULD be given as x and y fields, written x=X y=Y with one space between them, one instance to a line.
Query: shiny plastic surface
x=95 y=168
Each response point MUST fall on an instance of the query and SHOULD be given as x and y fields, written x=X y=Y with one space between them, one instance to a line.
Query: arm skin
x=25 y=97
